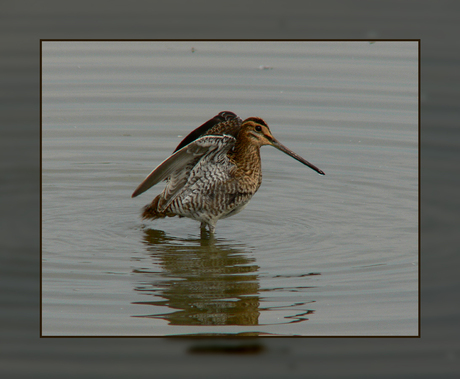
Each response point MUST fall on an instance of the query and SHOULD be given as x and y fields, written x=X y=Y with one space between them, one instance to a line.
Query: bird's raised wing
x=223 y=123
x=179 y=165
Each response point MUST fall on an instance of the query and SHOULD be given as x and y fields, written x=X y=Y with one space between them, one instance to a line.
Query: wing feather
x=179 y=165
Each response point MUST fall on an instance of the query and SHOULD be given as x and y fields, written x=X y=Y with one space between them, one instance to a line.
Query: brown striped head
x=256 y=131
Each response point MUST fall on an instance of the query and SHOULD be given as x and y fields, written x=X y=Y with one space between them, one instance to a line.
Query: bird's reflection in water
x=203 y=281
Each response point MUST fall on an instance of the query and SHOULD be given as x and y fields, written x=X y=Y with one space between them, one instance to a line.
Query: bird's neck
x=246 y=157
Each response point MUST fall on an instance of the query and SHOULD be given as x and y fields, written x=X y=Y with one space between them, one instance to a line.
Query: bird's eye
x=258 y=128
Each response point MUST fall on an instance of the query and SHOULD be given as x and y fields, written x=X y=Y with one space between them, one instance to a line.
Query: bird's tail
x=152 y=211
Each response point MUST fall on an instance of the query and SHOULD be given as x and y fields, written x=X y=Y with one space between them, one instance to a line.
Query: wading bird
x=214 y=171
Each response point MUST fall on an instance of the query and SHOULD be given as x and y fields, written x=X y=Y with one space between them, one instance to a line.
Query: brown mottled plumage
x=214 y=171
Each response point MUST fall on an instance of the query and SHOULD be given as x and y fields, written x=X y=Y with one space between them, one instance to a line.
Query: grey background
x=24 y=354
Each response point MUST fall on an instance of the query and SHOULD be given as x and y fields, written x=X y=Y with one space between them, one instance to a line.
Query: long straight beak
x=289 y=152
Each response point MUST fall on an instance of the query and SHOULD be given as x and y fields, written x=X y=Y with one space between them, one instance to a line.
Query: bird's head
x=257 y=132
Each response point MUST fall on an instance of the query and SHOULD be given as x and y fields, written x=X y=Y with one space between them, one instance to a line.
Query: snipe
x=214 y=171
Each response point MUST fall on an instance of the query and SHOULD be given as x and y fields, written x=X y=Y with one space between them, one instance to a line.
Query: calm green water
x=310 y=255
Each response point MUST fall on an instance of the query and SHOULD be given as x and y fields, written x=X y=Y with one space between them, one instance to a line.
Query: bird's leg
x=210 y=227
